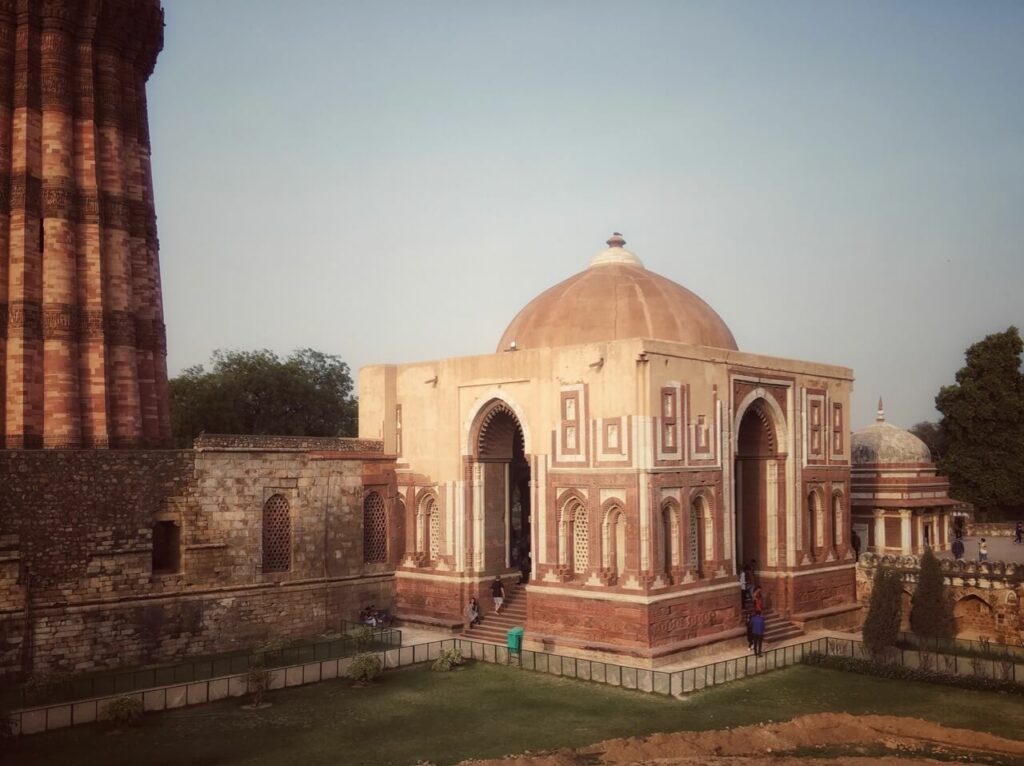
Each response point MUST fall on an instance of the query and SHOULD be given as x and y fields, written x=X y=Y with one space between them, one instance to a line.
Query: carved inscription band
x=27 y=194
x=33 y=321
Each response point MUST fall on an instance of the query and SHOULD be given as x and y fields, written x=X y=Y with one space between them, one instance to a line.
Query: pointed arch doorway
x=502 y=522
x=758 y=475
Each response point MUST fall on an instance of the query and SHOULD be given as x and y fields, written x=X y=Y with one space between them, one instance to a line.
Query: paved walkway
x=999 y=549
x=418 y=635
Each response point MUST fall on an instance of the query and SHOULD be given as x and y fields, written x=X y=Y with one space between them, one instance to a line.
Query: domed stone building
x=900 y=504
x=620 y=440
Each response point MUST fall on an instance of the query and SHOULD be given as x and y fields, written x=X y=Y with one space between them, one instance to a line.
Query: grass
x=488 y=711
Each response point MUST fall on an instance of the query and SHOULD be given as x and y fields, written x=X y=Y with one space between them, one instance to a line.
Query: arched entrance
x=757 y=479
x=502 y=541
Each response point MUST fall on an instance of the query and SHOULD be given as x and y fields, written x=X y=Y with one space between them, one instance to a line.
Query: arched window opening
x=580 y=540
x=812 y=512
x=670 y=537
x=615 y=541
x=375 y=529
x=277 y=535
x=428 y=528
x=434 y=523
x=837 y=519
x=698 y=513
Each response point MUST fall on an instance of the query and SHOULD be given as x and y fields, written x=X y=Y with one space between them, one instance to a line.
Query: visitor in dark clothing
x=757 y=631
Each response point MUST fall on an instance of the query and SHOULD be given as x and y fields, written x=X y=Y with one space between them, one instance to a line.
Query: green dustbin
x=515 y=639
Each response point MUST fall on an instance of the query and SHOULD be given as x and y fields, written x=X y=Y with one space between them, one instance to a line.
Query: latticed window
x=277 y=535
x=434 y=521
x=695 y=533
x=375 y=529
x=837 y=519
x=580 y=540
x=670 y=527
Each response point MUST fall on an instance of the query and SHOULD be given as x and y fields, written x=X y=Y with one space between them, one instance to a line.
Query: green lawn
x=488 y=711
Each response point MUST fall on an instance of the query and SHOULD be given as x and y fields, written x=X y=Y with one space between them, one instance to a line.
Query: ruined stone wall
x=78 y=590
x=987 y=596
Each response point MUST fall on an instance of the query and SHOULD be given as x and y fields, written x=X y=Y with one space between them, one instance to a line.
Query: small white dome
x=885 y=443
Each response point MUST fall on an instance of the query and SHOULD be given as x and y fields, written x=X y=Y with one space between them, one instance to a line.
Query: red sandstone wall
x=634 y=628
x=82 y=341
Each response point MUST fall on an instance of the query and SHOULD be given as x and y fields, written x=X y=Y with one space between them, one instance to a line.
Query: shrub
x=882 y=624
x=448 y=659
x=931 y=611
x=903 y=673
x=363 y=637
x=364 y=668
x=121 y=711
x=257 y=681
x=41 y=688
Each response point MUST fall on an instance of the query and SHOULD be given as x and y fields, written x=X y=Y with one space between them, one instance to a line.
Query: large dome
x=613 y=299
x=885 y=443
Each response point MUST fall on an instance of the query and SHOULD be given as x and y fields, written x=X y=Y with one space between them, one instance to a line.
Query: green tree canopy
x=931 y=435
x=257 y=392
x=982 y=427
x=931 y=611
x=882 y=624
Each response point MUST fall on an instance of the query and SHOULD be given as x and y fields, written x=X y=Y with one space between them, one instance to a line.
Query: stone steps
x=493 y=628
x=778 y=629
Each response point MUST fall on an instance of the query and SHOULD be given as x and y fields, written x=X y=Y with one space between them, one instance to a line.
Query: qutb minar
x=82 y=340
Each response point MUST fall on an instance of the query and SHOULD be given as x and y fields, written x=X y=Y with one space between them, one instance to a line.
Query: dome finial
x=880 y=417
x=616 y=253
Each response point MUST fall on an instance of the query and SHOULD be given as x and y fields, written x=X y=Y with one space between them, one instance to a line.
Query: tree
x=931 y=434
x=882 y=624
x=931 y=612
x=256 y=392
x=982 y=425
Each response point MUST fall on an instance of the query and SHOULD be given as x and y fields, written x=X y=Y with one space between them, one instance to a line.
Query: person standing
x=498 y=593
x=743 y=587
x=983 y=550
x=957 y=548
x=1018 y=533
x=757 y=631
x=758 y=600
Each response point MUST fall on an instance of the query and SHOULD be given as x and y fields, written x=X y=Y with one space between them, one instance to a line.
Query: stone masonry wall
x=77 y=586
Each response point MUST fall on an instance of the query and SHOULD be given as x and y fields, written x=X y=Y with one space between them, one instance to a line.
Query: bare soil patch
x=848 y=740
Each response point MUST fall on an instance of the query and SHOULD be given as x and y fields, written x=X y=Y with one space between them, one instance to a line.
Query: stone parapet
x=256 y=442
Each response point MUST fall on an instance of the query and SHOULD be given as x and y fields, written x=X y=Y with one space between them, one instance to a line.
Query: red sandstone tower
x=82 y=340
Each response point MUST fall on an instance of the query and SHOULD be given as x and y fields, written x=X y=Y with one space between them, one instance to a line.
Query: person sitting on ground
x=498 y=593
x=383 y=618
x=370 y=618
x=473 y=612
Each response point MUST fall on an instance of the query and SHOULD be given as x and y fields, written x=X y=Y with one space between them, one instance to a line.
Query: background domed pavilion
x=619 y=441
x=900 y=502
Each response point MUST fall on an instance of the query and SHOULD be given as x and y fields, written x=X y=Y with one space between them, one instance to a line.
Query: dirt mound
x=849 y=737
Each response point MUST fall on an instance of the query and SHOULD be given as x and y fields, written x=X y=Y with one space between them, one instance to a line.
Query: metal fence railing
x=1002 y=667
x=624 y=676
x=353 y=638
x=963 y=647
x=310 y=664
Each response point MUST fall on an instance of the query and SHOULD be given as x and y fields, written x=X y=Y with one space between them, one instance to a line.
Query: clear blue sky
x=392 y=181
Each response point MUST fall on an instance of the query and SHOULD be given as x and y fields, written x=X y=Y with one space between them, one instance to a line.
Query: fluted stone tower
x=82 y=340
